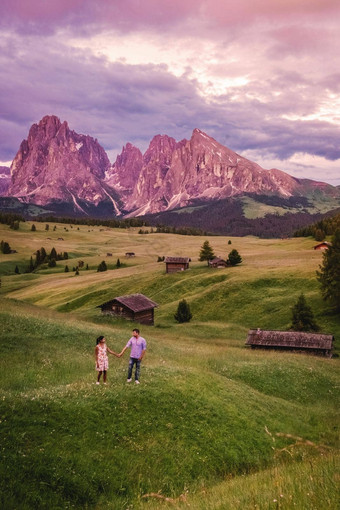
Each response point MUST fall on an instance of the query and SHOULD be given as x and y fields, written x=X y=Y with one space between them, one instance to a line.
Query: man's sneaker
x=128 y=380
x=97 y=382
x=137 y=382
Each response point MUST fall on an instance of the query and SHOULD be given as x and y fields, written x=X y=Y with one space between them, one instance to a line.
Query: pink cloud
x=126 y=15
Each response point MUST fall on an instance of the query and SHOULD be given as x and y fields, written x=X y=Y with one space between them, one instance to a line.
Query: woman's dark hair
x=99 y=339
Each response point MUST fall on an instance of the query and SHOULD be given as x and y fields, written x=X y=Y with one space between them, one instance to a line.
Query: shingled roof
x=135 y=302
x=290 y=340
x=178 y=260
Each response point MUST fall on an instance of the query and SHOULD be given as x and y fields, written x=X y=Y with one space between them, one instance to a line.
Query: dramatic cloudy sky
x=260 y=76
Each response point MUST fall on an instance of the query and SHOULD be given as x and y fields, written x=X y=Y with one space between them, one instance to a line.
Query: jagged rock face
x=55 y=163
x=123 y=175
x=5 y=179
x=174 y=174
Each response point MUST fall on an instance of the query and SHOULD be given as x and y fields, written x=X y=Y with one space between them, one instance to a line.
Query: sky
x=262 y=77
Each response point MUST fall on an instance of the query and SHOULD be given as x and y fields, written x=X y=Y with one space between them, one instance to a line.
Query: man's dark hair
x=136 y=329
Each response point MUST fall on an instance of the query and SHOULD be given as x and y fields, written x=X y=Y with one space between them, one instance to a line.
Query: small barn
x=134 y=307
x=174 y=264
x=322 y=246
x=217 y=262
x=315 y=343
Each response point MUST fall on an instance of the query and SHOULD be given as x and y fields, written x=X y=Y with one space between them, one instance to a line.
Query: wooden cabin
x=217 y=262
x=315 y=343
x=174 y=264
x=322 y=246
x=134 y=307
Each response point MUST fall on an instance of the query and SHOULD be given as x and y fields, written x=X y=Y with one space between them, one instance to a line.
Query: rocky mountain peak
x=55 y=163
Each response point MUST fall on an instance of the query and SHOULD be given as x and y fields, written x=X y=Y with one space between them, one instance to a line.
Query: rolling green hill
x=212 y=424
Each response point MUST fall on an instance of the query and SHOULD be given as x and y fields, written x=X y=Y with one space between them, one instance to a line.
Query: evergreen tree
x=65 y=256
x=5 y=247
x=329 y=274
x=53 y=254
x=319 y=235
x=229 y=242
x=16 y=270
x=33 y=228
x=66 y=270
x=183 y=313
x=43 y=255
x=102 y=266
x=37 y=258
x=31 y=266
x=87 y=267
x=52 y=263
x=303 y=317
x=118 y=264
x=234 y=258
x=206 y=252
x=47 y=227
x=77 y=272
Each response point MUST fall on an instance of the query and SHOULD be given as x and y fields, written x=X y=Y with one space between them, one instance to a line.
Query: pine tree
x=118 y=264
x=102 y=266
x=31 y=266
x=183 y=313
x=234 y=258
x=5 y=247
x=33 y=228
x=52 y=263
x=47 y=227
x=53 y=254
x=303 y=317
x=37 y=258
x=329 y=274
x=16 y=270
x=43 y=255
x=66 y=270
x=206 y=252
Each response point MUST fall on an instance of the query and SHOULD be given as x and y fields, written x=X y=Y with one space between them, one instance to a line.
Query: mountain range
x=62 y=170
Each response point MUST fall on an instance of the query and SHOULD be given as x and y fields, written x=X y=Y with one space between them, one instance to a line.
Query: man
x=138 y=348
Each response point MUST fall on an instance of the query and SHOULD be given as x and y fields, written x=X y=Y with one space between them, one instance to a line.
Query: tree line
x=320 y=229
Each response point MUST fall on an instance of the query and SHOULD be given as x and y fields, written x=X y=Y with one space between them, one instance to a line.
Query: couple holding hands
x=137 y=344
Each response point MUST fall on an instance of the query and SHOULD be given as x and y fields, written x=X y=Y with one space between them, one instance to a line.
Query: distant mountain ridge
x=56 y=165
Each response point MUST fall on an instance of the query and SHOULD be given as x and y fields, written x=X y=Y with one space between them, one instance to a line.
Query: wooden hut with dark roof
x=217 y=262
x=135 y=307
x=315 y=343
x=174 y=264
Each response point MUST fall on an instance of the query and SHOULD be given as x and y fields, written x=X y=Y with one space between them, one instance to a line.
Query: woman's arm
x=112 y=352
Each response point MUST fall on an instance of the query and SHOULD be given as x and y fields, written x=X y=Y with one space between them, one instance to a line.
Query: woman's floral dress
x=103 y=360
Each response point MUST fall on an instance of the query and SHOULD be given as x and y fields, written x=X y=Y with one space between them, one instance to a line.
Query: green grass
x=213 y=425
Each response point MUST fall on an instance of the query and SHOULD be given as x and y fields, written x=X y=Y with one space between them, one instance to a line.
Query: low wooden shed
x=315 y=343
x=135 y=307
x=174 y=264
x=217 y=262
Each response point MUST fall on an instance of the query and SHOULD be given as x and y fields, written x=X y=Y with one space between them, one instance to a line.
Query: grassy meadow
x=213 y=424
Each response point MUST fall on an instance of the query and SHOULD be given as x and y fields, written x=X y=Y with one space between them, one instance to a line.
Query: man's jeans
x=134 y=361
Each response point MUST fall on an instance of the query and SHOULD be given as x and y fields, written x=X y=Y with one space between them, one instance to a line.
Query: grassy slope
x=207 y=409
